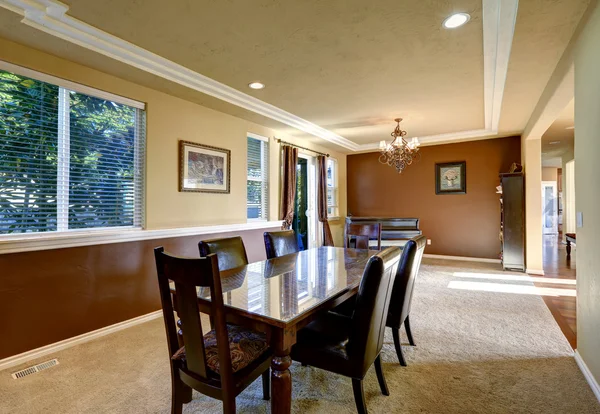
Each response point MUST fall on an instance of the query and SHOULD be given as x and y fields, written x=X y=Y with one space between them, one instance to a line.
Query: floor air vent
x=36 y=368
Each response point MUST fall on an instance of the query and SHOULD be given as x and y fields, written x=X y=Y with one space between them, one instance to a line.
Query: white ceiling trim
x=499 y=19
x=439 y=139
x=50 y=16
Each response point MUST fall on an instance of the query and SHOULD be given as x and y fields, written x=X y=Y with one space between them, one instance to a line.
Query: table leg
x=281 y=378
x=568 y=249
x=281 y=384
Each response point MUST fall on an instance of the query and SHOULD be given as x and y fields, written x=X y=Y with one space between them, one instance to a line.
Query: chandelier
x=399 y=153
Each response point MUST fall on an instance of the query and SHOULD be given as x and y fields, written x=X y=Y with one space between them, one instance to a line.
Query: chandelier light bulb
x=414 y=143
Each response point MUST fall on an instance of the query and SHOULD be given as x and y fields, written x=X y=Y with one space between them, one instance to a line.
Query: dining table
x=280 y=296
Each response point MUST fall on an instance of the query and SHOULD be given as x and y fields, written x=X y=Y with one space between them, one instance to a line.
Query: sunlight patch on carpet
x=508 y=288
x=516 y=278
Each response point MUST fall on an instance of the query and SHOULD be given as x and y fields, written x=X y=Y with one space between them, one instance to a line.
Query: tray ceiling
x=338 y=70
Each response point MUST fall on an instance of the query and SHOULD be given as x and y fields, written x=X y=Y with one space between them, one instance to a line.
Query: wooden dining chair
x=230 y=251
x=349 y=346
x=361 y=234
x=280 y=243
x=221 y=363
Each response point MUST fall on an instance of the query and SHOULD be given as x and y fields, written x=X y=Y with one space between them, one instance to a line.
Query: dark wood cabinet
x=512 y=221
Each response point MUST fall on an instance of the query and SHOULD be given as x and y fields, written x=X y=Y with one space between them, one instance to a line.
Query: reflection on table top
x=287 y=286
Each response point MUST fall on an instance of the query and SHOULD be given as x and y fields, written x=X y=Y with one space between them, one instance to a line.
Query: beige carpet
x=477 y=352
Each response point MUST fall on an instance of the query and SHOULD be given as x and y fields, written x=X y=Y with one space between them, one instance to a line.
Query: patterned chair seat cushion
x=245 y=346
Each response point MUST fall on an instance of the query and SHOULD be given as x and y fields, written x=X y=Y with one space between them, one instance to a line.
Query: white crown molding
x=76 y=340
x=50 y=16
x=46 y=241
x=588 y=375
x=439 y=139
x=499 y=19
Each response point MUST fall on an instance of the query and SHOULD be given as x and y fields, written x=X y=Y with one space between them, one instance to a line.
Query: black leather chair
x=350 y=345
x=280 y=243
x=205 y=363
x=230 y=251
x=402 y=292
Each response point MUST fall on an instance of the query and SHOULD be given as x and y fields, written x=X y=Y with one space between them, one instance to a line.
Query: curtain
x=322 y=200
x=288 y=185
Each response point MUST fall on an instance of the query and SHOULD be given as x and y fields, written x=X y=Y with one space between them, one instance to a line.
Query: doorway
x=306 y=222
x=549 y=208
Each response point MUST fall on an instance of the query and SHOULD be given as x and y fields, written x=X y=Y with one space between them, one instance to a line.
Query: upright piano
x=394 y=231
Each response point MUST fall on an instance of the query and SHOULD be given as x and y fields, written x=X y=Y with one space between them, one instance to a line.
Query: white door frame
x=314 y=226
x=554 y=219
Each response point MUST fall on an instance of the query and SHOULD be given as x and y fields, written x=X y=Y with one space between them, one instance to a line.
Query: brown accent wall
x=51 y=295
x=458 y=225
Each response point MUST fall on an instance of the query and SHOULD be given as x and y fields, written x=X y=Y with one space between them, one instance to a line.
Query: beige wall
x=531 y=157
x=549 y=174
x=170 y=119
x=587 y=169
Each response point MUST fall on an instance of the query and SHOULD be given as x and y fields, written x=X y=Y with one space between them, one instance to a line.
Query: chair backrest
x=402 y=290
x=230 y=251
x=372 y=302
x=280 y=243
x=188 y=274
x=362 y=233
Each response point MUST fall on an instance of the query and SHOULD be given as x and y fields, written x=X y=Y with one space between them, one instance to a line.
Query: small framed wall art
x=451 y=178
x=203 y=168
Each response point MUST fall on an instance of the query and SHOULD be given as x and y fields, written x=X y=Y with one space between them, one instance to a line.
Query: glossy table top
x=288 y=286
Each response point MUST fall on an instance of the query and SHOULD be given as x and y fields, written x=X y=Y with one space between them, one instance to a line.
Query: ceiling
x=348 y=66
x=560 y=137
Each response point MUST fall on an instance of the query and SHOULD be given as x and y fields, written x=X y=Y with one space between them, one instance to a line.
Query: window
x=332 y=188
x=68 y=160
x=258 y=177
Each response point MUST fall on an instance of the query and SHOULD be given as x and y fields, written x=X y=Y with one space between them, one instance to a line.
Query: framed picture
x=203 y=168
x=451 y=178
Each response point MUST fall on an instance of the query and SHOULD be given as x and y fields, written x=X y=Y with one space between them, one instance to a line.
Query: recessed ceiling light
x=554 y=142
x=256 y=85
x=456 y=20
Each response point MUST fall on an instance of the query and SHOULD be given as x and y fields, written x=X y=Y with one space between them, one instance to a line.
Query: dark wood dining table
x=280 y=296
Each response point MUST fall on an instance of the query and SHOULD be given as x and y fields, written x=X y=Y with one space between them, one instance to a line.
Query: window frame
x=62 y=213
x=265 y=170
x=335 y=214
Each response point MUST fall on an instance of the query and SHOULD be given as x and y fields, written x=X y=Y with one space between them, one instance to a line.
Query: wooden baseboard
x=588 y=375
x=80 y=339
x=461 y=258
x=538 y=272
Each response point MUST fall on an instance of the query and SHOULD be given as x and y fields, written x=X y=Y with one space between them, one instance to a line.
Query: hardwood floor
x=556 y=266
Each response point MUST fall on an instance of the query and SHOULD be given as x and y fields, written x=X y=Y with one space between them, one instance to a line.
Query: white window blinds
x=67 y=160
x=332 y=188
x=258 y=178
